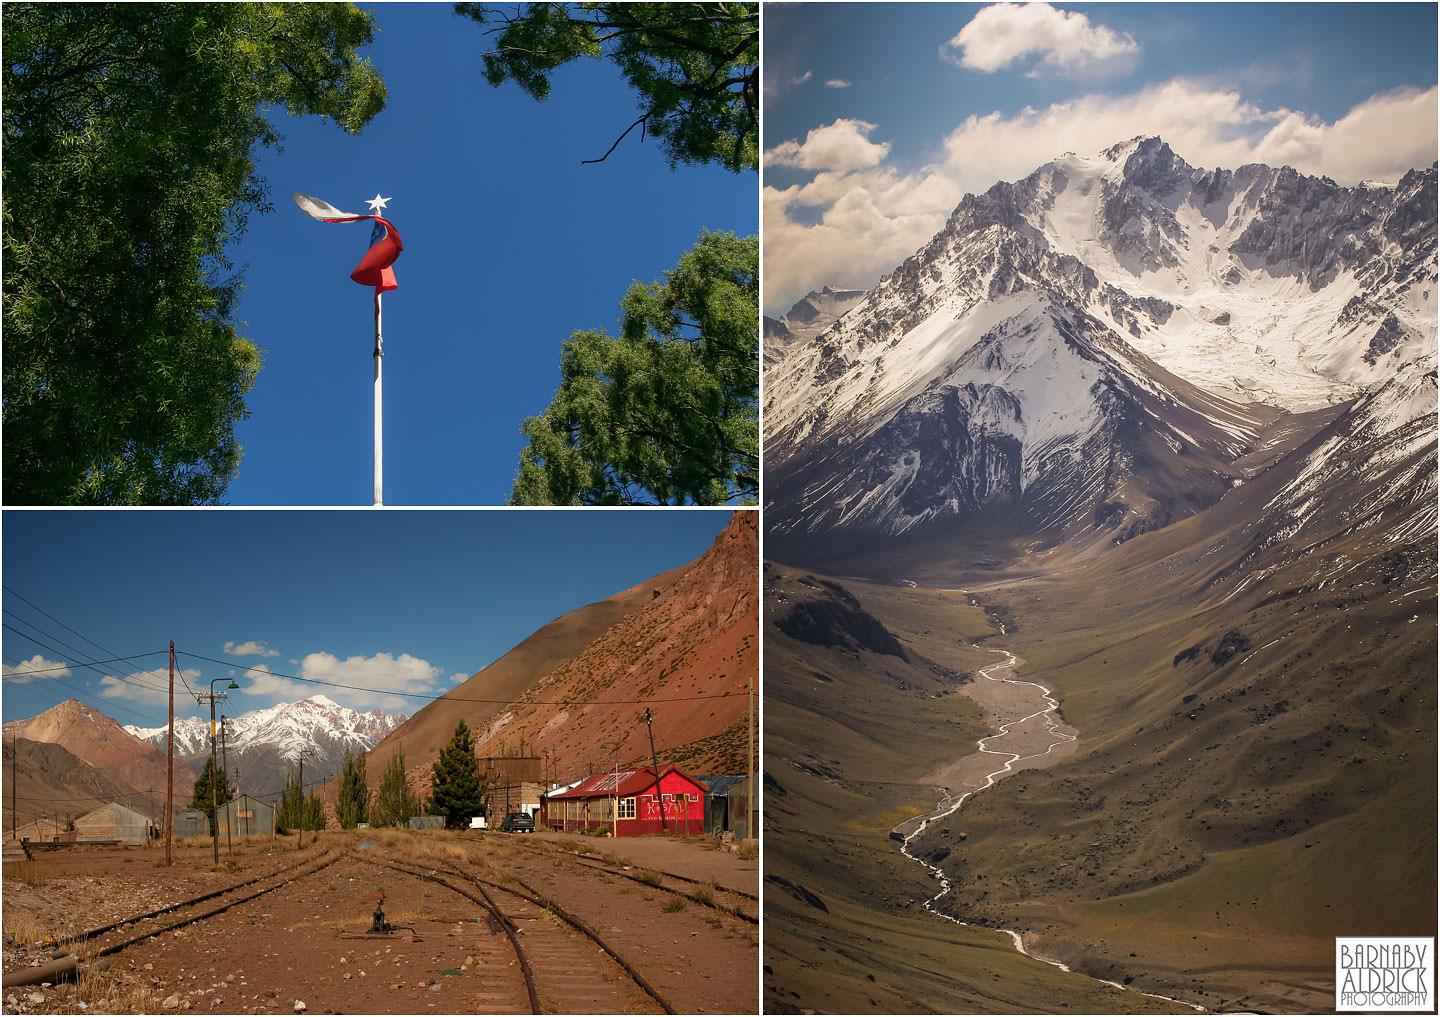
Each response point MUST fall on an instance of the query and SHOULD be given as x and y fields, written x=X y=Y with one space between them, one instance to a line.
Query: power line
x=40 y=689
x=47 y=635
x=131 y=679
x=57 y=621
x=465 y=699
x=104 y=649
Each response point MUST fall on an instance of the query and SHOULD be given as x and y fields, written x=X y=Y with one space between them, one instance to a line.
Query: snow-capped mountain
x=264 y=743
x=1090 y=351
x=812 y=314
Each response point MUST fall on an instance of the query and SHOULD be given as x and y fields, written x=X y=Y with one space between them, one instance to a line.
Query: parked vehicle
x=517 y=822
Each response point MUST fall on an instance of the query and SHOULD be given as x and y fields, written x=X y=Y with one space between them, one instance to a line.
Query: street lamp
x=212 y=695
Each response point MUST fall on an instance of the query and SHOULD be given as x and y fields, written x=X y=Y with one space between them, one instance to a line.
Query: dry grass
x=675 y=906
x=110 y=991
x=649 y=877
x=25 y=927
x=27 y=872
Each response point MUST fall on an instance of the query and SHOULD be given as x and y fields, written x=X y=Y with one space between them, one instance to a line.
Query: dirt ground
x=291 y=946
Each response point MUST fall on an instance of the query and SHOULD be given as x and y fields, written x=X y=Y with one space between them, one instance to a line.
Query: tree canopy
x=665 y=413
x=456 y=790
x=129 y=139
x=694 y=67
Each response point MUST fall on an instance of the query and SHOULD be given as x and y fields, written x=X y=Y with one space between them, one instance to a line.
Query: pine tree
x=202 y=799
x=352 y=800
x=457 y=792
x=394 y=802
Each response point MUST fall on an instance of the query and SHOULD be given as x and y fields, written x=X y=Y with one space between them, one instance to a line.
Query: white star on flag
x=377 y=203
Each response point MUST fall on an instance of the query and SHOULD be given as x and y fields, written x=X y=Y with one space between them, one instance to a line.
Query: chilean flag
x=385 y=245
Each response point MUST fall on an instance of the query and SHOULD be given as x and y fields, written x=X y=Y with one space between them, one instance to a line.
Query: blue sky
x=510 y=245
x=878 y=118
x=393 y=600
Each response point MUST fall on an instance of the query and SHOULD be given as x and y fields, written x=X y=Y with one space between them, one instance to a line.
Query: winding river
x=1035 y=722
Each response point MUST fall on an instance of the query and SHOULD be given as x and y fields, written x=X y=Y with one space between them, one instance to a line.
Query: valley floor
x=1190 y=844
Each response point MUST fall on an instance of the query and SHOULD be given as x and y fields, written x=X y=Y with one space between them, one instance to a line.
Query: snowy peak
x=811 y=315
x=1096 y=344
x=286 y=729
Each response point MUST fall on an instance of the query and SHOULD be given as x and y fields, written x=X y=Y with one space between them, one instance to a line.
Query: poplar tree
x=394 y=802
x=457 y=791
x=352 y=799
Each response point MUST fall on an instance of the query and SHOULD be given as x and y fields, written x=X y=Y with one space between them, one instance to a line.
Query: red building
x=628 y=804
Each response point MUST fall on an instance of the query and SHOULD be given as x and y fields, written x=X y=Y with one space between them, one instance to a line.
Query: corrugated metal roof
x=626 y=782
x=721 y=783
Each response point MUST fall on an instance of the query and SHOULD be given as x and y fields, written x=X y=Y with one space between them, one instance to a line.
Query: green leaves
x=395 y=803
x=694 y=67
x=129 y=132
x=211 y=789
x=352 y=799
x=666 y=413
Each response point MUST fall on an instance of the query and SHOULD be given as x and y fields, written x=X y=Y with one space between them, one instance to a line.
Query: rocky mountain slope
x=1175 y=430
x=1091 y=349
x=100 y=741
x=811 y=315
x=685 y=643
x=263 y=745
x=50 y=780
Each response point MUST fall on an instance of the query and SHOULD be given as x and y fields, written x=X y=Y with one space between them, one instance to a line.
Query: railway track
x=105 y=940
x=522 y=952
x=581 y=972
x=738 y=903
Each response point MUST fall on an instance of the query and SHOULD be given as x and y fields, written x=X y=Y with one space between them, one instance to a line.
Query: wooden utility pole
x=170 y=766
x=14 y=780
x=655 y=763
x=750 y=761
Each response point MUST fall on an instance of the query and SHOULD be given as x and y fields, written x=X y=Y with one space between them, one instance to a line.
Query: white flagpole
x=379 y=352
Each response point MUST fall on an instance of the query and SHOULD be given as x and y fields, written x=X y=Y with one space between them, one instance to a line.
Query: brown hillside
x=99 y=740
x=51 y=781
x=685 y=643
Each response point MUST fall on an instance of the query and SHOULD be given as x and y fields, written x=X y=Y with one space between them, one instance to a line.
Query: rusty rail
x=102 y=930
x=484 y=901
x=534 y=897
x=610 y=869
x=192 y=919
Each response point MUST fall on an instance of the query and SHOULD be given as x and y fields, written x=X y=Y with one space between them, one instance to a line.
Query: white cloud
x=837 y=83
x=378 y=677
x=872 y=216
x=36 y=667
x=843 y=145
x=147 y=687
x=1003 y=33
x=871 y=221
x=257 y=680
x=778 y=80
x=458 y=677
x=250 y=648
